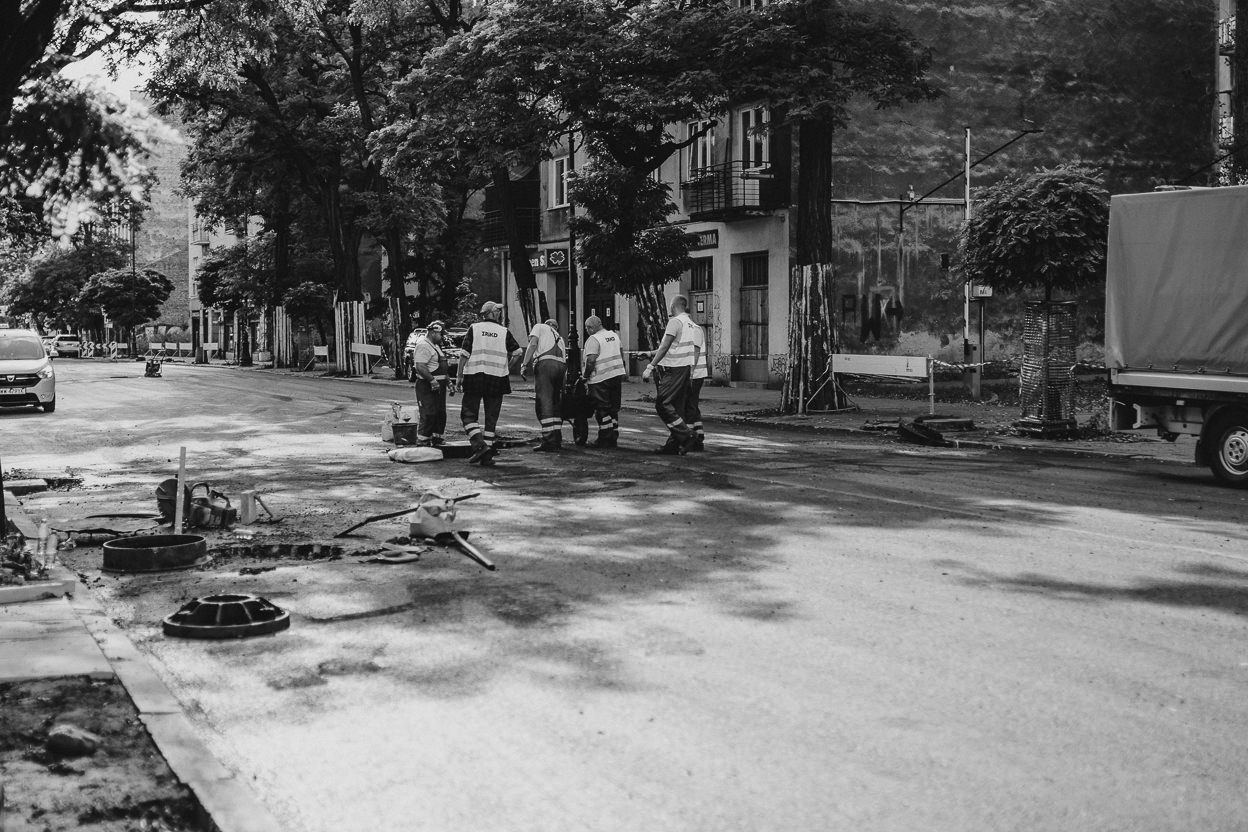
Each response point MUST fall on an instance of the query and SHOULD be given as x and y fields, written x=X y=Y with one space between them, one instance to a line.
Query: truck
x=1176 y=320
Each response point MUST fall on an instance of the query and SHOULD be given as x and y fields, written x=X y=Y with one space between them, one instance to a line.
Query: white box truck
x=1176 y=320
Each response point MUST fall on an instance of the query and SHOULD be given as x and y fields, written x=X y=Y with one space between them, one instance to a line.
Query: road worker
x=697 y=376
x=670 y=366
x=429 y=365
x=604 y=375
x=484 y=378
x=548 y=356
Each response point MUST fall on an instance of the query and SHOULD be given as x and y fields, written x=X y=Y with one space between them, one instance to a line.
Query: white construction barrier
x=889 y=366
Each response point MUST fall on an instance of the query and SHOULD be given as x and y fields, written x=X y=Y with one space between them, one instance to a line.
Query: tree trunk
x=808 y=381
x=395 y=249
x=1239 y=96
x=526 y=282
x=652 y=311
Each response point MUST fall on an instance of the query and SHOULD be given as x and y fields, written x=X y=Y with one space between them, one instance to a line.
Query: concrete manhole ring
x=226 y=616
x=154 y=553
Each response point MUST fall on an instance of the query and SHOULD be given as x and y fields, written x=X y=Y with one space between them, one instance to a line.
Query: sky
x=93 y=70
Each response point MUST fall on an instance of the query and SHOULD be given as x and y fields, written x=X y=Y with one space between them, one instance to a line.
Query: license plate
x=12 y=391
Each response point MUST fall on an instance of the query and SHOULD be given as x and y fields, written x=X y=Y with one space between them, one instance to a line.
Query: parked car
x=68 y=344
x=451 y=339
x=26 y=374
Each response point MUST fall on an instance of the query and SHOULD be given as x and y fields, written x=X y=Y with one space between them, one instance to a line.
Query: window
x=701 y=275
x=559 y=182
x=752 y=4
x=752 y=144
x=701 y=152
x=755 y=335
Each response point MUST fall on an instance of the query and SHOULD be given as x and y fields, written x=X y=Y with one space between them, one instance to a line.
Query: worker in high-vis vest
x=432 y=376
x=548 y=356
x=697 y=377
x=670 y=366
x=484 y=378
x=604 y=378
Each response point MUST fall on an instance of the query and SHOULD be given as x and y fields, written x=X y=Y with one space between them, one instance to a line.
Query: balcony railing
x=724 y=190
x=200 y=231
x=494 y=234
x=1226 y=35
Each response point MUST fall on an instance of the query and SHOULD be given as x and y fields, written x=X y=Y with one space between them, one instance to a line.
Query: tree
x=60 y=141
x=128 y=298
x=1046 y=229
x=617 y=74
x=310 y=304
x=50 y=291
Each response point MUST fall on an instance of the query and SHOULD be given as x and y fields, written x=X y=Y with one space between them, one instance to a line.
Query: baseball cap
x=436 y=326
x=490 y=306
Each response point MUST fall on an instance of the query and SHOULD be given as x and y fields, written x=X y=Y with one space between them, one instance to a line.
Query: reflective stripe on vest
x=610 y=362
x=680 y=353
x=554 y=349
x=700 y=369
x=489 y=350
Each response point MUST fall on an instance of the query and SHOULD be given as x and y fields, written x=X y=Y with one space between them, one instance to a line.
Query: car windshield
x=20 y=348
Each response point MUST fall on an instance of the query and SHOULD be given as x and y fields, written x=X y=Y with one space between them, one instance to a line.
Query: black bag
x=576 y=403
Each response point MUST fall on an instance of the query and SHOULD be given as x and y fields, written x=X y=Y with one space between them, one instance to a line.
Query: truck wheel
x=1228 y=454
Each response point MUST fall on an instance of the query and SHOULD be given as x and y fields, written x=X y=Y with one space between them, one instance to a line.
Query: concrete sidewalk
x=70 y=636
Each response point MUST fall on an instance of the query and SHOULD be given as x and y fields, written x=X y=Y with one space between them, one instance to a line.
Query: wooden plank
x=366 y=349
x=893 y=366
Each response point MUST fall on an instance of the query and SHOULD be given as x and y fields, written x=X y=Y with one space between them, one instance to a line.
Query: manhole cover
x=226 y=616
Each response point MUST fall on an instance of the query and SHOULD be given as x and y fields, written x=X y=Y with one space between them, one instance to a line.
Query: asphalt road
x=787 y=632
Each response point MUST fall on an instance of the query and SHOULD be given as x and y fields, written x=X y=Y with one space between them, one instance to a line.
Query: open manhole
x=154 y=553
x=226 y=616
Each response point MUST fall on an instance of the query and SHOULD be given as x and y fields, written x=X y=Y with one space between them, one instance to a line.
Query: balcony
x=1226 y=36
x=728 y=191
x=494 y=234
x=1226 y=131
x=200 y=232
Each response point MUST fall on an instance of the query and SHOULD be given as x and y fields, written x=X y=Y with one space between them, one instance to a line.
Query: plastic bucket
x=404 y=433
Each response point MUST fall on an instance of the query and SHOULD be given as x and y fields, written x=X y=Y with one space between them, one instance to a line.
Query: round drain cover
x=226 y=616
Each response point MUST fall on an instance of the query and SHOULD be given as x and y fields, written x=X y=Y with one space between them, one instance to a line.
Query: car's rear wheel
x=49 y=407
x=1228 y=457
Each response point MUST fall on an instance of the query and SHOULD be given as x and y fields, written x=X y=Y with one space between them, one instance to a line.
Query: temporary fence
x=907 y=367
x=348 y=335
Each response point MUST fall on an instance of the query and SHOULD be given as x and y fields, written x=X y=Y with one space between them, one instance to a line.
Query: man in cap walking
x=698 y=374
x=430 y=367
x=670 y=366
x=548 y=356
x=604 y=376
x=484 y=378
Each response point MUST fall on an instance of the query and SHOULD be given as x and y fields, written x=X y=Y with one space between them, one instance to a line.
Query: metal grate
x=1047 y=377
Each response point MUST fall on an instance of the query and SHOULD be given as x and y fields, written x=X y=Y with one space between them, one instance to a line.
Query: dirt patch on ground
x=125 y=785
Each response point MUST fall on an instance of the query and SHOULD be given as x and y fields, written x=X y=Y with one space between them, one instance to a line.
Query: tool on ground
x=153 y=368
x=211 y=509
x=434 y=520
x=247 y=503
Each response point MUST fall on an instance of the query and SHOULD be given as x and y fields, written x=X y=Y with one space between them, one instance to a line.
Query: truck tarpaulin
x=1177 y=281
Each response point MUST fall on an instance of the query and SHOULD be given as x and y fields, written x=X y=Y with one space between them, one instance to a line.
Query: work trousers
x=671 y=394
x=432 y=403
x=469 y=411
x=606 y=398
x=693 y=406
x=548 y=376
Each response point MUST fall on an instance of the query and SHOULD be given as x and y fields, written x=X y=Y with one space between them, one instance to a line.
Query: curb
x=226 y=803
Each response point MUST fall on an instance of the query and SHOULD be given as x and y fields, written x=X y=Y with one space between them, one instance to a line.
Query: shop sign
x=549 y=259
x=705 y=239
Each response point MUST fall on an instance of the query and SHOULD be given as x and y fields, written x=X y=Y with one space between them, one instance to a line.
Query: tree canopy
x=128 y=298
x=1047 y=229
x=50 y=291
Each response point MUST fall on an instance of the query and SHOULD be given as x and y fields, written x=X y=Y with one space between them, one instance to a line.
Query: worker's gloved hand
x=647 y=373
x=435 y=385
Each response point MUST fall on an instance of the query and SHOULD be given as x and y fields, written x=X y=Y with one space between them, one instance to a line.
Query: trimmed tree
x=1043 y=230
x=128 y=298
x=50 y=290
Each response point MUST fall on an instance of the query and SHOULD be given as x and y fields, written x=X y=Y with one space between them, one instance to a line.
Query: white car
x=67 y=344
x=26 y=374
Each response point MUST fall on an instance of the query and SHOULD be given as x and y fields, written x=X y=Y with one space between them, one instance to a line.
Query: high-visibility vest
x=549 y=344
x=700 y=365
x=489 y=350
x=680 y=353
x=610 y=361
